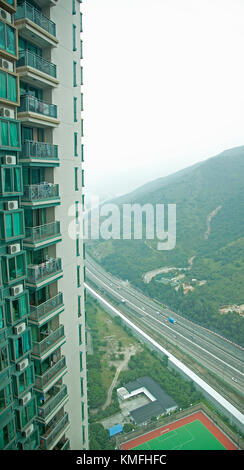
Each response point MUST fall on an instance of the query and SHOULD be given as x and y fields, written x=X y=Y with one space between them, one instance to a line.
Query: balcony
x=51 y=438
x=41 y=194
x=34 y=26
x=34 y=111
x=55 y=400
x=39 y=313
x=39 y=152
x=45 y=381
x=49 y=271
x=36 y=70
x=42 y=235
x=9 y=5
x=63 y=444
x=53 y=340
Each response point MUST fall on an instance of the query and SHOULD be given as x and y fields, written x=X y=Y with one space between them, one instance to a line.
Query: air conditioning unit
x=28 y=431
x=6 y=64
x=16 y=290
x=9 y=160
x=19 y=328
x=7 y=113
x=25 y=399
x=13 y=248
x=5 y=15
x=22 y=365
x=11 y=205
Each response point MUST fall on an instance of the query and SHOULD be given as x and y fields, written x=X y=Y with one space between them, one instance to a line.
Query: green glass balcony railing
x=25 y=10
x=42 y=191
x=48 y=439
x=39 y=272
x=29 y=59
x=38 y=312
x=45 y=379
x=59 y=393
x=38 y=234
x=32 y=149
x=48 y=342
x=30 y=104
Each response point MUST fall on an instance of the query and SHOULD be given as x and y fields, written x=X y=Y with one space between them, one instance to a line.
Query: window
x=24 y=380
x=20 y=346
x=14 y=267
x=82 y=411
x=82 y=128
x=76 y=179
x=11 y=180
x=79 y=306
x=8 y=86
x=17 y=308
x=80 y=335
x=84 y=274
x=2 y=317
x=75 y=109
x=10 y=134
x=78 y=276
x=74 y=73
x=73 y=7
x=82 y=102
x=7 y=38
x=77 y=246
x=74 y=38
x=81 y=386
x=26 y=414
x=84 y=251
x=81 y=49
x=4 y=359
x=7 y=434
x=81 y=26
x=12 y=225
x=81 y=76
x=82 y=152
x=76 y=144
x=82 y=178
x=80 y=361
x=5 y=397
x=83 y=202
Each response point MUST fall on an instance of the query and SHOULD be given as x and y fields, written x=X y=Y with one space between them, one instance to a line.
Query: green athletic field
x=192 y=436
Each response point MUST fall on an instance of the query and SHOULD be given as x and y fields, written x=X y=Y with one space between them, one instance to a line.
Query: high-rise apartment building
x=43 y=385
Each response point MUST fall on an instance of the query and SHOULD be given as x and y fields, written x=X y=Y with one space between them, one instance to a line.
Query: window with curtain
x=14 y=135
x=7 y=38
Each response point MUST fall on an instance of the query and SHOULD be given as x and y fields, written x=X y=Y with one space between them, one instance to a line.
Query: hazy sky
x=164 y=87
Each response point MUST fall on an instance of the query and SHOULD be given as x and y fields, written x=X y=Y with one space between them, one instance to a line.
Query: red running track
x=222 y=438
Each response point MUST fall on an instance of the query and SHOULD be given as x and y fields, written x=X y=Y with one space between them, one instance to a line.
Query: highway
x=214 y=352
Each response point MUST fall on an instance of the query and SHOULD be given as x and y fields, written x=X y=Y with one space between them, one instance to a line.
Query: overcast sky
x=164 y=83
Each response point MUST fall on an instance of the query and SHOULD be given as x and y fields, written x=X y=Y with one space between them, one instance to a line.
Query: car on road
x=123 y=301
x=234 y=379
x=158 y=313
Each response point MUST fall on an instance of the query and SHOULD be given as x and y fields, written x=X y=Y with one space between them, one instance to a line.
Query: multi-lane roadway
x=214 y=352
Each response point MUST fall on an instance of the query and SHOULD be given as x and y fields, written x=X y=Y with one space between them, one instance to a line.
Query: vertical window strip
x=76 y=144
x=76 y=179
x=77 y=247
x=74 y=38
x=79 y=306
x=81 y=49
x=75 y=109
x=78 y=276
x=74 y=73
x=73 y=7
x=82 y=152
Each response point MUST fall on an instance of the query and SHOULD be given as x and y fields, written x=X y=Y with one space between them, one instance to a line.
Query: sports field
x=194 y=432
x=192 y=436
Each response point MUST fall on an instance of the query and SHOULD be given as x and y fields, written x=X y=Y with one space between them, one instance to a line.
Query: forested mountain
x=209 y=198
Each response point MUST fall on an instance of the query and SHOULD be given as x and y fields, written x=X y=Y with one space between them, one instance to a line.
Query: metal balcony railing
x=38 y=192
x=32 y=149
x=25 y=10
x=30 y=59
x=38 y=272
x=37 y=234
x=51 y=339
x=31 y=104
x=48 y=439
x=59 y=394
x=45 y=379
x=40 y=311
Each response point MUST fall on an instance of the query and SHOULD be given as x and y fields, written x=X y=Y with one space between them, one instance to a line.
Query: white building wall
x=63 y=56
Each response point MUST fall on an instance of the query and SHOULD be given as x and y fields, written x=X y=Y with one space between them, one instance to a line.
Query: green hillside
x=210 y=227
